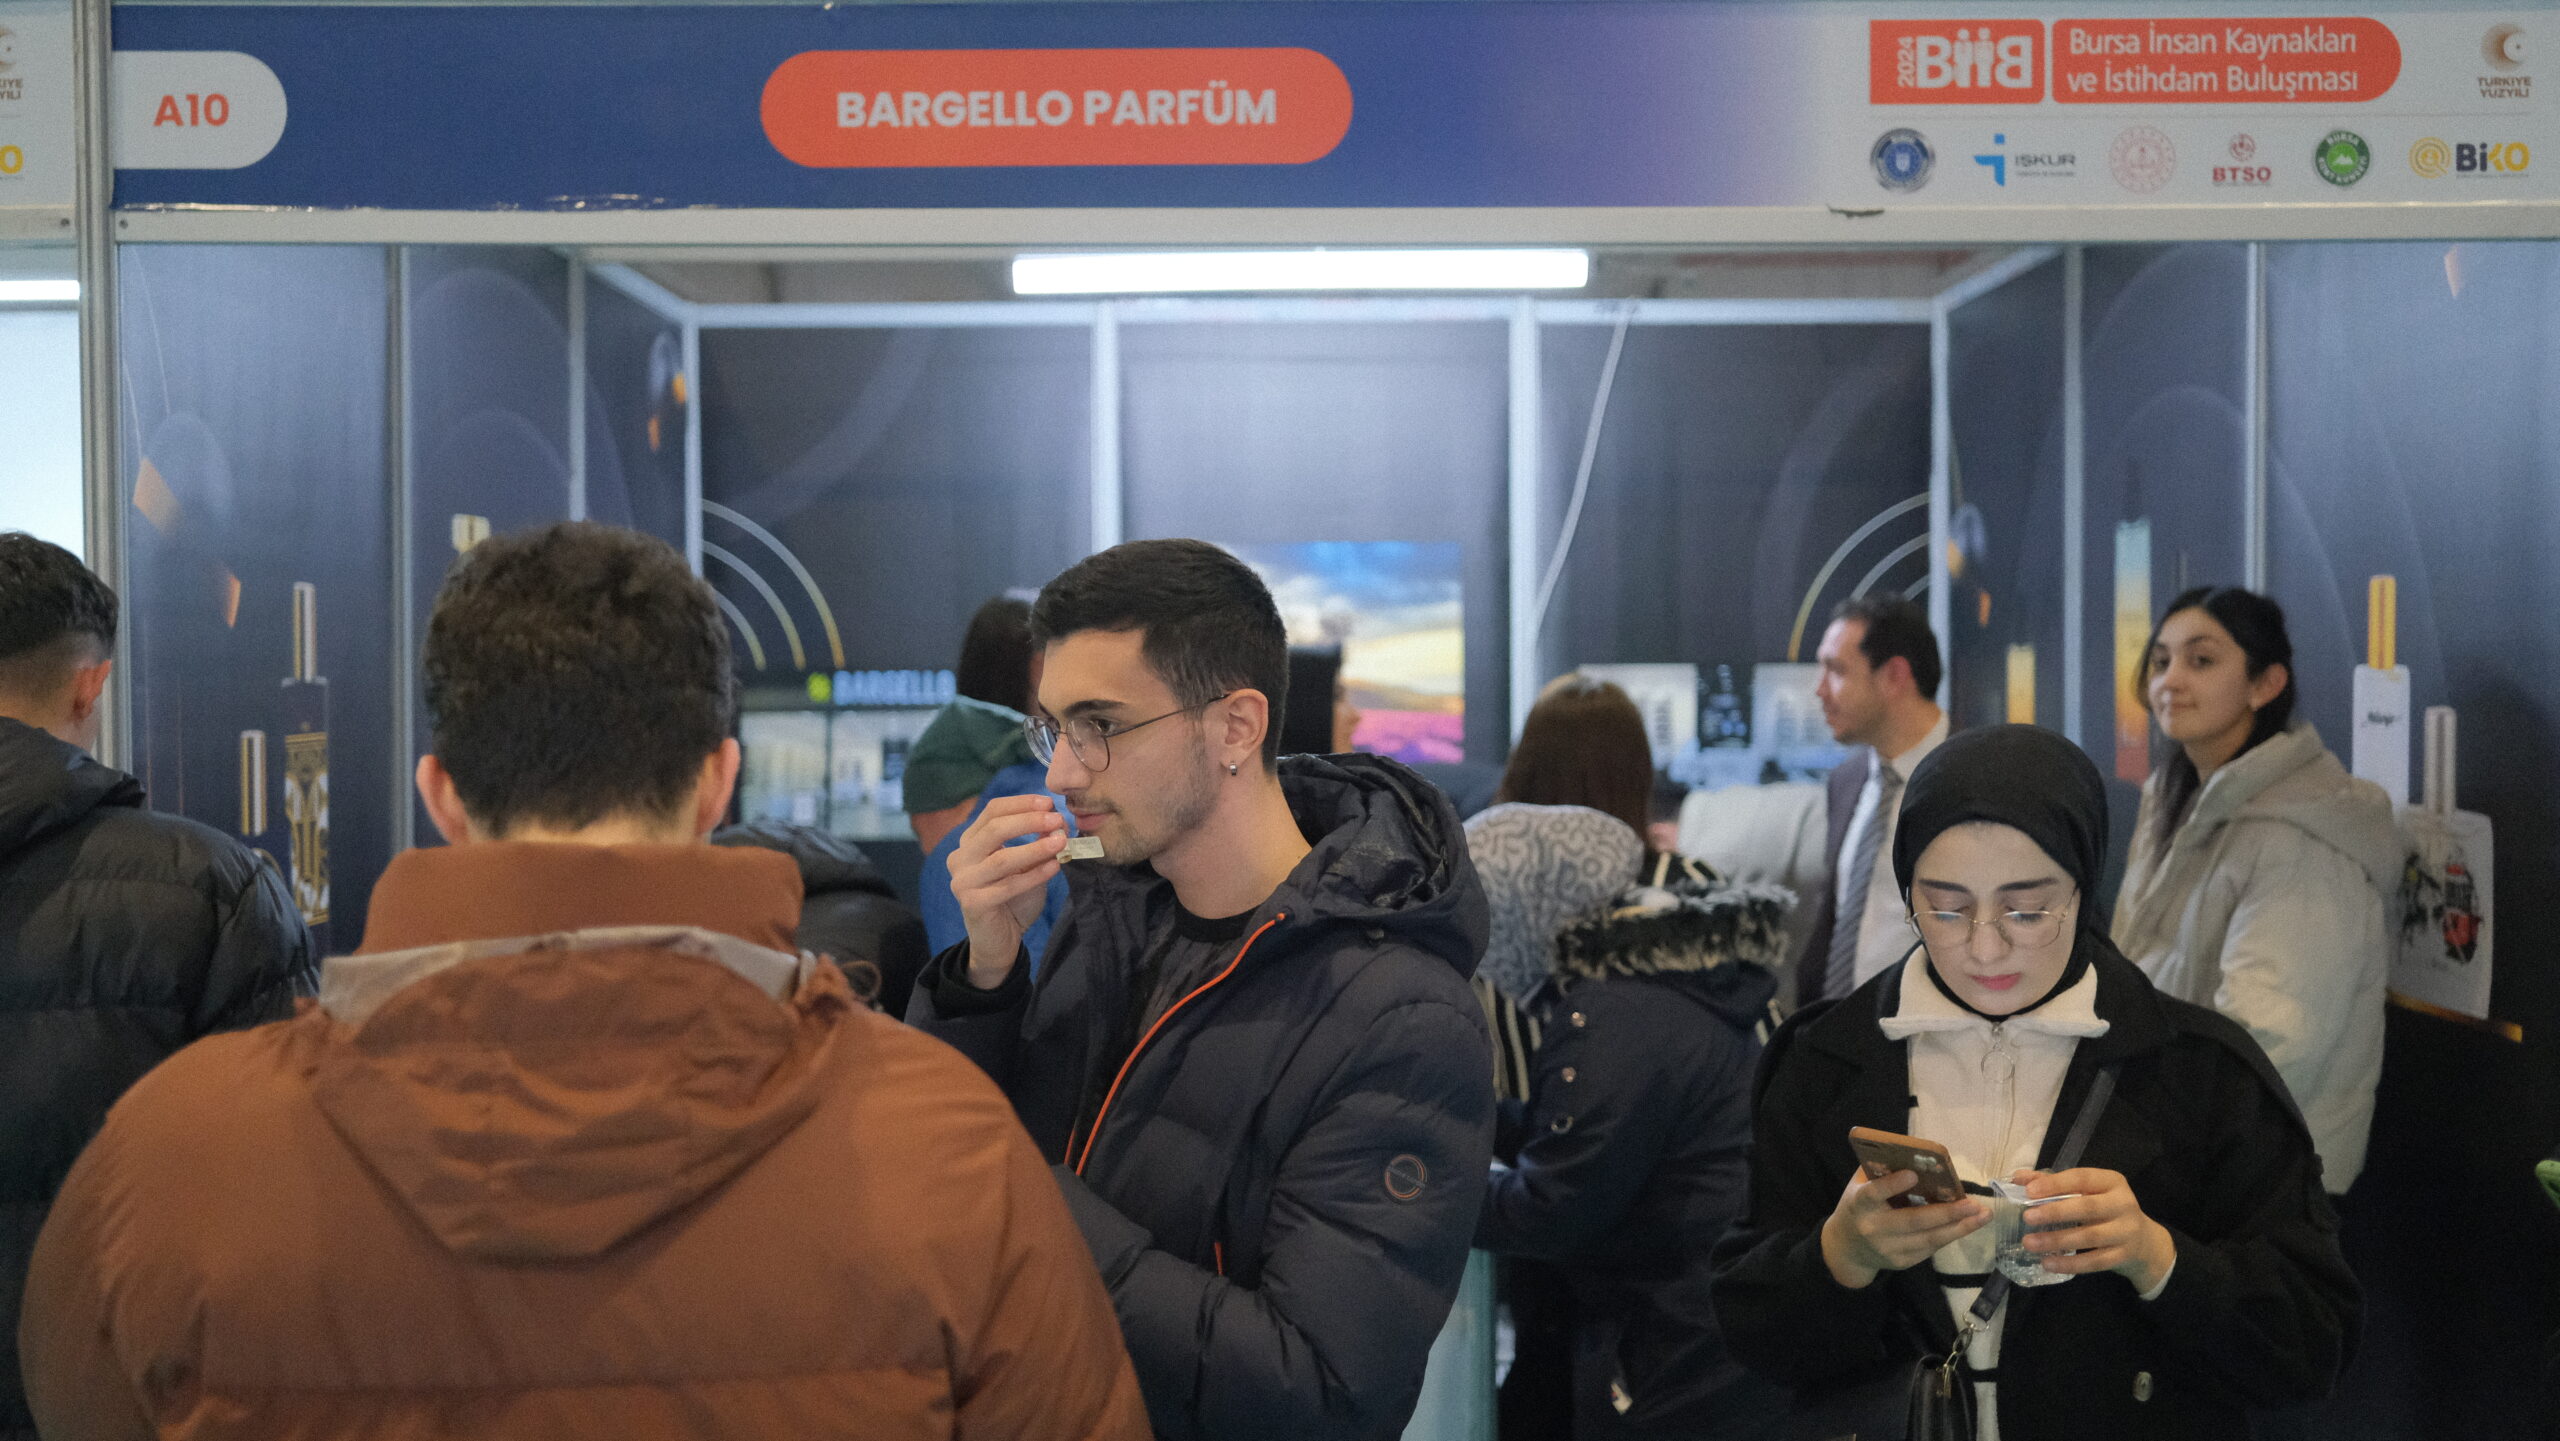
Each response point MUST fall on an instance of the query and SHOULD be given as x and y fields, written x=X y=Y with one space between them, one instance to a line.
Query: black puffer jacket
x=849 y=912
x=1281 y=1191
x=123 y=936
x=2259 y=1311
x=1634 y=1154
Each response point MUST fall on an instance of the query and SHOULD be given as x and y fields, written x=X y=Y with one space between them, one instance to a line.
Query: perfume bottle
x=306 y=768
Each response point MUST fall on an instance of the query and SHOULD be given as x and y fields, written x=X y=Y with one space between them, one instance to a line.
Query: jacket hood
x=1387 y=855
x=1682 y=921
x=47 y=786
x=829 y=864
x=2292 y=779
x=1544 y=867
x=545 y=1096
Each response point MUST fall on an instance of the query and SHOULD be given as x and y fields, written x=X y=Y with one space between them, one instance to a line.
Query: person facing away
x=1880 y=672
x=1251 y=1050
x=2185 y=1269
x=2260 y=872
x=123 y=934
x=574 y=1146
x=1628 y=1160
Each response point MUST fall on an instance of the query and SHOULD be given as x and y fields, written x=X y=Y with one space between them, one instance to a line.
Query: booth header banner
x=1316 y=105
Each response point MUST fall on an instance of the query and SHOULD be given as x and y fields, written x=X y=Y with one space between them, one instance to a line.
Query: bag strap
x=2102 y=1089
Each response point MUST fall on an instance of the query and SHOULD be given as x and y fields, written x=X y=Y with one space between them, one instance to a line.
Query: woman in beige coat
x=2260 y=872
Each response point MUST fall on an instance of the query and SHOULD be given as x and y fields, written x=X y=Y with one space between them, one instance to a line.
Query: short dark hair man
x=575 y=1146
x=123 y=934
x=1880 y=673
x=1251 y=1049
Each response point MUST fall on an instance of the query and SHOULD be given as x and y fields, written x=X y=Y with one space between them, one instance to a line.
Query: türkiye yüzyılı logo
x=1955 y=62
x=931 y=108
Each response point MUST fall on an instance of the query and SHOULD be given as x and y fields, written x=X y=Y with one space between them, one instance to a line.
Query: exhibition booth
x=2043 y=318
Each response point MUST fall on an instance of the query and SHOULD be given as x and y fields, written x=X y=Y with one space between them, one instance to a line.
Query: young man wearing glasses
x=1250 y=1050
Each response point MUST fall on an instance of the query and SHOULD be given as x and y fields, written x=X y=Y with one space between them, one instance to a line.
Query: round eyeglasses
x=2027 y=930
x=1090 y=739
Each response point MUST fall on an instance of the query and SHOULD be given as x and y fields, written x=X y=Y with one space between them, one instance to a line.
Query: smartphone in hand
x=1881 y=1153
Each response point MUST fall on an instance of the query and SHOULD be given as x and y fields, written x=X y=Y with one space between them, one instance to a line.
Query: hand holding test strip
x=1082 y=848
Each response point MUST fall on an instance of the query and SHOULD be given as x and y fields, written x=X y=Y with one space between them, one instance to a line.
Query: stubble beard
x=1188 y=803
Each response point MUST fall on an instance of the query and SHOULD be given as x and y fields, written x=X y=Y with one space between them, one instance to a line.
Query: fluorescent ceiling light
x=39 y=290
x=1133 y=272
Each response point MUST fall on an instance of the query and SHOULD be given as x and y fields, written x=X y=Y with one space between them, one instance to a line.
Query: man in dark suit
x=1880 y=672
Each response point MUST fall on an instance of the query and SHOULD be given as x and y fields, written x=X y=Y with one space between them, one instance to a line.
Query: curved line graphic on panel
x=1839 y=557
x=772 y=597
x=738 y=618
x=1901 y=553
x=808 y=582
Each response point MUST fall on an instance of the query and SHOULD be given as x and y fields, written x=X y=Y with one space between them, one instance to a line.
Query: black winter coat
x=1634 y=1159
x=1633 y=1154
x=848 y=911
x=2260 y=1310
x=1280 y=1192
x=123 y=936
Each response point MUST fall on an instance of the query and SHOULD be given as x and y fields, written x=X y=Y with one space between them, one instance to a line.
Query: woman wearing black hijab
x=2194 y=1275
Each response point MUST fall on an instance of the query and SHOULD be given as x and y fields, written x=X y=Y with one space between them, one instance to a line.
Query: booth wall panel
x=253 y=381
x=2413 y=434
x=1275 y=433
x=914 y=473
x=2006 y=397
x=2166 y=368
x=1733 y=462
x=487 y=364
x=636 y=397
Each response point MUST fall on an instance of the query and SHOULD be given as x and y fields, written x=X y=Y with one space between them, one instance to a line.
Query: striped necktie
x=1840 y=968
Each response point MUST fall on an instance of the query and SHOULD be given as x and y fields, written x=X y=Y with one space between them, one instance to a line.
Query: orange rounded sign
x=909 y=108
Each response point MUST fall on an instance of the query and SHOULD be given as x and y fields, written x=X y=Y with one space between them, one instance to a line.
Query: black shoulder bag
x=1931 y=1398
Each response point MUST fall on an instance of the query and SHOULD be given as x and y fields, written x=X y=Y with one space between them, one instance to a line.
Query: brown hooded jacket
x=573 y=1147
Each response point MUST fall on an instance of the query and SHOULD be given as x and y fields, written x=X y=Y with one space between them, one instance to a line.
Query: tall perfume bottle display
x=254 y=813
x=2381 y=749
x=305 y=714
x=2447 y=919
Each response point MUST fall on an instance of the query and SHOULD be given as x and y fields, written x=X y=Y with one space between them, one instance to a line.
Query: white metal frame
x=1596 y=225
x=1525 y=320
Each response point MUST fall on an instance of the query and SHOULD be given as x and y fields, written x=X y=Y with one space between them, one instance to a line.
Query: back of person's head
x=1895 y=628
x=1583 y=745
x=1208 y=623
x=1306 y=727
x=576 y=673
x=56 y=618
x=995 y=656
x=2256 y=625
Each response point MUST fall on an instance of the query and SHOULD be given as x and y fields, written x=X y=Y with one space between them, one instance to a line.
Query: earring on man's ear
x=1231 y=768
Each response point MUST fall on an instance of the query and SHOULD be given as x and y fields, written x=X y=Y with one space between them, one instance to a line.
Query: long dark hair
x=1583 y=745
x=2256 y=625
x=995 y=656
x=1306 y=726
